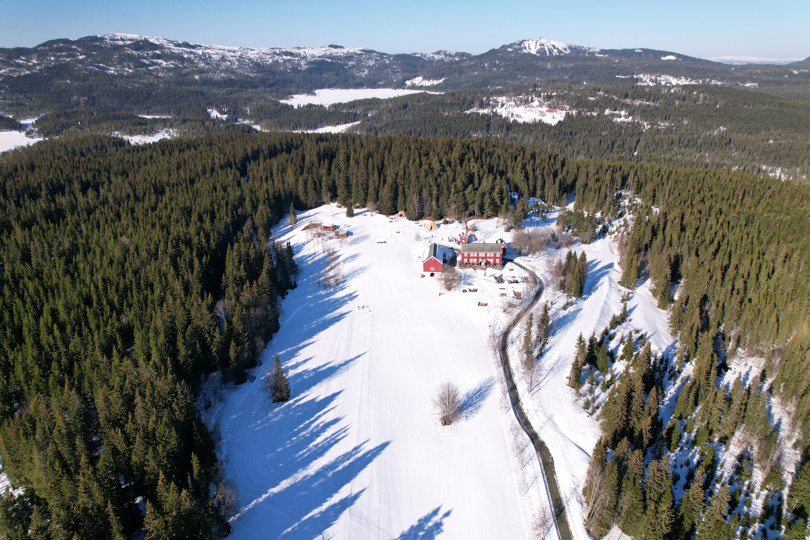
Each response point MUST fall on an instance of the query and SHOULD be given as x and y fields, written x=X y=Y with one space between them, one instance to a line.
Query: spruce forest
x=129 y=275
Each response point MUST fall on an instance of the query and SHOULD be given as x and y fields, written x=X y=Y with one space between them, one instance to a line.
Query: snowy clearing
x=358 y=451
x=419 y=81
x=10 y=140
x=216 y=115
x=645 y=79
x=148 y=139
x=523 y=109
x=331 y=96
x=340 y=128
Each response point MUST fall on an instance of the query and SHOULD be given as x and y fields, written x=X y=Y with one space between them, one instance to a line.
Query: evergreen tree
x=631 y=505
x=630 y=273
x=528 y=347
x=603 y=358
x=279 y=386
x=543 y=323
x=575 y=376
x=691 y=508
x=714 y=525
x=293 y=218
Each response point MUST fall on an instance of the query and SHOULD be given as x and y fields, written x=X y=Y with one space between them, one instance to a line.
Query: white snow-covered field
x=421 y=81
x=10 y=140
x=331 y=96
x=148 y=139
x=358 y=452
x=523 y=109
x=339 y=128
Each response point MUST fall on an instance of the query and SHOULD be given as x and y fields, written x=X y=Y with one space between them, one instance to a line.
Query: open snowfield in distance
x=10 y=140
x=330 y=96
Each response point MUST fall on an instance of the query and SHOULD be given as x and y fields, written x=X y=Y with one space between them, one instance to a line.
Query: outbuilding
x=431 y=262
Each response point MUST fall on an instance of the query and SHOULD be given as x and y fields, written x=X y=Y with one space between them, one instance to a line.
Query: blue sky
x=709 y=28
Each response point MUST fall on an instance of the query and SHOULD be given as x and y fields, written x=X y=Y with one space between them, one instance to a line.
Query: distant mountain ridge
x=130 y=60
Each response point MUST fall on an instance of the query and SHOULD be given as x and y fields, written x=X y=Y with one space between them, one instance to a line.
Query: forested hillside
x=129 y=273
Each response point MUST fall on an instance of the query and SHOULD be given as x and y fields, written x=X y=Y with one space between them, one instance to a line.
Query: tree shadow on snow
x=299 y=493
x=303 y=380
x=297 y=460
x=303 y=509
x=429 y=526
x=595 y=275
x=474 y=399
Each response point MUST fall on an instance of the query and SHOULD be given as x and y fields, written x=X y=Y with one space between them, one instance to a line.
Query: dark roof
x=482 y=247
x=430 y=252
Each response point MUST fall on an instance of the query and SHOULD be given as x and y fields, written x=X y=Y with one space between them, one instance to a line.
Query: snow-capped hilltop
x=328 y=51
x=442 y=56
x=547 y=47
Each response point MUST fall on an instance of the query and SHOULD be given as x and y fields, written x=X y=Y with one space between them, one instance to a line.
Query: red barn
x=430 y=260
x=482 y=254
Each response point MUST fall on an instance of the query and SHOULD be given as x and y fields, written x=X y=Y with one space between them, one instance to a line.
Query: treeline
x=9 y=124
x=127 y=275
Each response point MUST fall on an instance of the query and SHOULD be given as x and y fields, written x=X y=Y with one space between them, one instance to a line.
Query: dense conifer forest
x=694 y=126
x=128 y=274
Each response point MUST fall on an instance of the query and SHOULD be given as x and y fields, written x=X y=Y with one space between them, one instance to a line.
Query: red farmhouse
x=430 y=260
x=482 y=254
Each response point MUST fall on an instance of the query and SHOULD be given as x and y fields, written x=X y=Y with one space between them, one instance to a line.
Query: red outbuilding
x=430 y=260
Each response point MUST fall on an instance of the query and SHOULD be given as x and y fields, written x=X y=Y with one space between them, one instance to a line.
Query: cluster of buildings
x=469 y=254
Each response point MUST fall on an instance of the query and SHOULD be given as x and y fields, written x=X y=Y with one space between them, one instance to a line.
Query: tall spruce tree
x=279 y=386
x=575 y=376
x=543 y=323
x=528 y=346
x=293 y=219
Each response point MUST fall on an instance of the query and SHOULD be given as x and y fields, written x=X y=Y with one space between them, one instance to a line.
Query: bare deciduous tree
x=555 y=272
x=449 y=278
x=531 y=240
x=223 y=310
x=596 y=496
x=448 y=403
x=225 y=497
x=541 y=523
